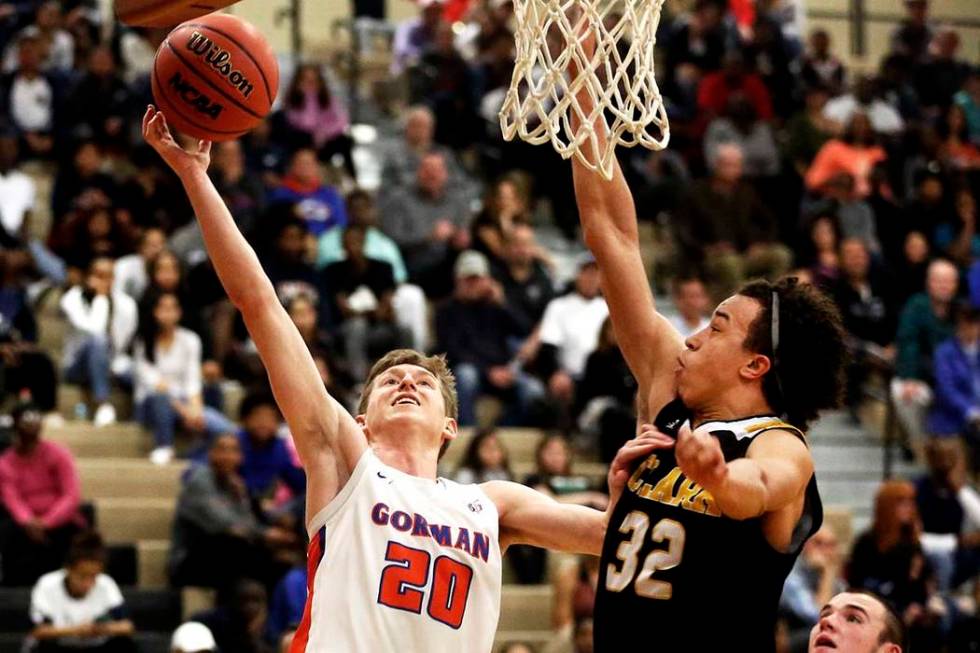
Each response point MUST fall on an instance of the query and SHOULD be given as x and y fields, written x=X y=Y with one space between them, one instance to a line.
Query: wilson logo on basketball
x=220 y=60
x=195 y=98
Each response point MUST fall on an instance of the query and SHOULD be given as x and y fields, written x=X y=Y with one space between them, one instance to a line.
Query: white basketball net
x=618 y=77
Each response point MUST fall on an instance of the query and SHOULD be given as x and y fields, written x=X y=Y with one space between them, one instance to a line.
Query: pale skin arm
x=648 y=341
x=328 y=440
x=531 y=517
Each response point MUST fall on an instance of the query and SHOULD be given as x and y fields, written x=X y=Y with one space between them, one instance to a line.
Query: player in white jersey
x=399 y=559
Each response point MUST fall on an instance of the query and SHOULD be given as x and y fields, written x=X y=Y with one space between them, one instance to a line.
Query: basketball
x=215 y=77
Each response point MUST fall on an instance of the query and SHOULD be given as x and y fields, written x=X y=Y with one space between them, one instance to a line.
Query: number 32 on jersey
x=636 y=525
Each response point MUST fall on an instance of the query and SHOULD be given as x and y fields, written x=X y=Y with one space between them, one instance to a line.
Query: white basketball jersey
x=402 y=563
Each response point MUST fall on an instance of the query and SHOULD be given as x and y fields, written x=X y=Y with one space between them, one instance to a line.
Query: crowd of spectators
x=783 y=159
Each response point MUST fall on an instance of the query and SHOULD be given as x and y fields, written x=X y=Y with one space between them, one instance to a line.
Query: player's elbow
x=253 y=298
x=604 y=236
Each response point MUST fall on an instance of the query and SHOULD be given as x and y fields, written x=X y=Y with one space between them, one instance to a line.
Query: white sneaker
x=162 y=455
x=105 y=415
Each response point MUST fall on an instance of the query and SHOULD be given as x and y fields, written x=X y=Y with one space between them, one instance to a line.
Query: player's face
x=407 y=396
x=851 y=623
x=716 y=357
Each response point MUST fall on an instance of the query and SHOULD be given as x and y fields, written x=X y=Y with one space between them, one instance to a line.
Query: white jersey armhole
x=336 y=504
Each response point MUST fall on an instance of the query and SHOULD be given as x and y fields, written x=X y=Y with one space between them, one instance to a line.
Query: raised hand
x=700 y=457
x=157 y=134
x=648 y=441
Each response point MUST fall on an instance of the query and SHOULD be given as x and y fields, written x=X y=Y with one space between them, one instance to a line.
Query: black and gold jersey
x=676 y=574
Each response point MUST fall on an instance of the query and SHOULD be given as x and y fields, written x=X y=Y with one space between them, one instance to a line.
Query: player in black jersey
x=710 y=523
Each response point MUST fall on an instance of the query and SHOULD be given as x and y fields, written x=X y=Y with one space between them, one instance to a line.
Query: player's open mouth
x=824 y=641
x=405 y=399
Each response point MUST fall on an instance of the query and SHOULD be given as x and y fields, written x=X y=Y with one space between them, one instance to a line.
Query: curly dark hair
x=807 y=374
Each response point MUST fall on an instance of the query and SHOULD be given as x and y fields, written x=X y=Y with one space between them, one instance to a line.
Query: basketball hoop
x=618 y=78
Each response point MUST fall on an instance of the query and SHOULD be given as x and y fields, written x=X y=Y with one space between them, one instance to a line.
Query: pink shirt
x=43 y=484
x=322 y=124
x=836 y=157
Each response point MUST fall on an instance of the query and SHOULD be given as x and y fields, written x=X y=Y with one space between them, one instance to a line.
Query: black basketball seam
x=176 y=108
x=207 y=81
x=244 y=50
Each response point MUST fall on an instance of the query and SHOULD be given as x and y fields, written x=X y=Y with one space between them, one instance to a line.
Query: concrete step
x=525 y=607
x=126 y=478
x=133 y=520
x=120 y=440
x=70 y=395
x=595 y=471
x=152 y=557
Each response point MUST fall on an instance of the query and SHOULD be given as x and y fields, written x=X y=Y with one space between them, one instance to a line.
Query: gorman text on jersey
x=474 y=543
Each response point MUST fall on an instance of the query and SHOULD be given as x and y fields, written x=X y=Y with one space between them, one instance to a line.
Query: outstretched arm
x=328 y=440
x=649 y=342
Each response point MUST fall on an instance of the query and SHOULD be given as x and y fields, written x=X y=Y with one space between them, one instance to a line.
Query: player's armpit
x=530 y=517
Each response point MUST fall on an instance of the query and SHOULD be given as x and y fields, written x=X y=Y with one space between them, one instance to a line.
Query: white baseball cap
x=192 y=637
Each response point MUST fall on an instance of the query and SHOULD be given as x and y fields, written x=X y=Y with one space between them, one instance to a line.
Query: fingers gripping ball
x=215 y=77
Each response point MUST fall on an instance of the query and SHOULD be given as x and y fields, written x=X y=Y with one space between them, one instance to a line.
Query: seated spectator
x=285 y=261
x=18 y=193
x=87 y=234
x=40 y=495
x=924 y=323
x=605 y=396
x=942 y=74
x=430 y=223
x=83 y=184
x=303 y=310
x=101 y=102
x=855 y=218
x=238 y=623
x=528 y=289
x=151 y=197
x=929 y=207
x=717 y=88
x=192 y=637
x=57 y=43
x=807 y=131
x=957 y=152
x=863 y=98
x=26 y=367
x=909 y=272
x=820 y=253
x=869 y=314
x=821 y=68
x=504 y=208
x=409 y=301
x=288 y=598
x=696 y=43
x=266 y=459
x=958 y=237
x=485 y=459
x=363 y=297
x=303 y=187
x=725 y=230
x=913 y=35
x=888 y=559
x=945 y=501
x=858 y=621
x=167 y=380
x=692 y=303
x=238 y=185
x=216 y=536
x=815 y=578
x=956 y=364
x=131 y=271
x=401 y=159
x=476 y=330
x=102 y=324
x=31 y=98
x=740 y=125
x=968 y=98
x=552 y=475
x=855 y=154
x=315 y=113
x=166 y=277
x=569 y=332
x=415 y=35
x=80 y=607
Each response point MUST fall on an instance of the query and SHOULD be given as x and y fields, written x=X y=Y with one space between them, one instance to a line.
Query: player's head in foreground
x=858 y=621
x=409 y=400
x=790 y=359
